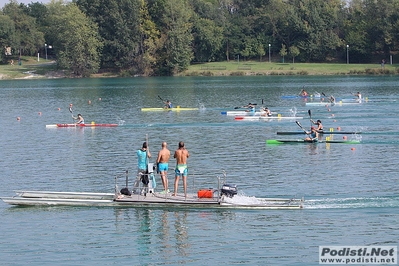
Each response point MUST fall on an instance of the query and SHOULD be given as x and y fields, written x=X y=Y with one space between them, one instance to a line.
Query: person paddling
x=319 y=127
x=358 y=97
x=168 y=104
x=250 y=108
x=266 y=112
x=303 y=93
x=312 y=135
x=80 y=119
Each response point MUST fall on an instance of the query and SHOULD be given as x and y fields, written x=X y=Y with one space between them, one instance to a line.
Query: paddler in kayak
x=266 y=112
x=312 y=135
x=168 y=105
x=358 y=97
x=250 y=108
x=303 y=93
x=319 y=125
x=80 y=119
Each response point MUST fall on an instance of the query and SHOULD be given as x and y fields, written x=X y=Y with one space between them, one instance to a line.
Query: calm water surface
x=351 y=191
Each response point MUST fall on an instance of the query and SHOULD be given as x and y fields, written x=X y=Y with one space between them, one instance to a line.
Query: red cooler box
x=205 y=193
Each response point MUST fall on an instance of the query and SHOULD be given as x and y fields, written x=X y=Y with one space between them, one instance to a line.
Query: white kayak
x=265 y=118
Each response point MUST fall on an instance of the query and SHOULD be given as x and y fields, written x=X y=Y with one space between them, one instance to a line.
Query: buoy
x=40 y=113
x=329 y=109
x=326 y=105
x=332 y=115
x=352 y=149
x=334 y=120
x=59 y=108
x=99 y=99
x=345 y=137
x=338 y=128
x=89 y=102
x=18 y=118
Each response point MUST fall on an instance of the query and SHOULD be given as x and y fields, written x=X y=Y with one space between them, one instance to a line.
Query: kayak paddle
x=70 y=110
x=299 y=125
x=310 y=116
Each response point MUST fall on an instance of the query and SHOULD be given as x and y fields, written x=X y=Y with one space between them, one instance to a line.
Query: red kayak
x=83 y=125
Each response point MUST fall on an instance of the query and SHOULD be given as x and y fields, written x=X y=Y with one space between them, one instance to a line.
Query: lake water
x=351 y=191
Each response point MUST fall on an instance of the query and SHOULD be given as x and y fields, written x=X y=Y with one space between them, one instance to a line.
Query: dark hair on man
x=181 y=144
x=145 y=145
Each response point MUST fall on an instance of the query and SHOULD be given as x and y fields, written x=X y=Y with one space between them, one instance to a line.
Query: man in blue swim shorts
x=181 y=155
x=162 y=165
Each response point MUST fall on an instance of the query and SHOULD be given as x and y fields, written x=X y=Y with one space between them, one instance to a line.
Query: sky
x=3 y=2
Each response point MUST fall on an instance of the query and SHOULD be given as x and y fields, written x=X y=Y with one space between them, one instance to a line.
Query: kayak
x=175 y=109
x=256 y=118
x=282 y=141
x=319 y=104
x=316 y=95
x=322 y=132
x=82 y=125
x=242 y=113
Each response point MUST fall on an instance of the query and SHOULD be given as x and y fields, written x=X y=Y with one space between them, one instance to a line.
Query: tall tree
x=146 y=58
x=77 y=40
x=118 y=22
x=7 y=36
x=177 y=52
x=28 y=37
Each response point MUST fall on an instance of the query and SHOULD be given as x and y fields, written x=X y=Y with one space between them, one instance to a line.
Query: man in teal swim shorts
x=181 y=155
x=162 y=165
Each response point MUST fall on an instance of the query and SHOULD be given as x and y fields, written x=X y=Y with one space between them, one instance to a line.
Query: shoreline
x=47 y=70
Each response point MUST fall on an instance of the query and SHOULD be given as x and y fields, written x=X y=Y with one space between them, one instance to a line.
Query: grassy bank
x=31 y=68
x=234 y=68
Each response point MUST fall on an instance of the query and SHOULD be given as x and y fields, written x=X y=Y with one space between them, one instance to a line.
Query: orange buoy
x=334 y=120
x=59 y=109
x=40 y=113
x=332 y=115
x=18 y=118
x=353 y=149
x=89 y=102
x=338 y=128
x=345 y=137
x=329 y=109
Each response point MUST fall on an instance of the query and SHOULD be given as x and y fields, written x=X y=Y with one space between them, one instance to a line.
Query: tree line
x=163 y=37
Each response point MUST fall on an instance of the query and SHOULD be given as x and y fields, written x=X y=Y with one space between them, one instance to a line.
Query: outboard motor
x=229 y=190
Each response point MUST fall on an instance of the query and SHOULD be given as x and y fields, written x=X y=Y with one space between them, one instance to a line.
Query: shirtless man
x=181 y=155
x=162 y=165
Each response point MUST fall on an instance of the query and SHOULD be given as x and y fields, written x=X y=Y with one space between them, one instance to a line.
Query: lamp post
x=347 y=53
x=269 y=52
x=45 y=48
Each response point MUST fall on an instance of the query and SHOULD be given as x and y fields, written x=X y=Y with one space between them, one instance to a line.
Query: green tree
x=7 y=36
x=294 y=52
x=318 y=36
x=177 y=53
x=260 y=50
x=28 y=38
x=146 y=58
x=283 y=51
x=119 y=27
x=77 y=42
x=208 y=38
